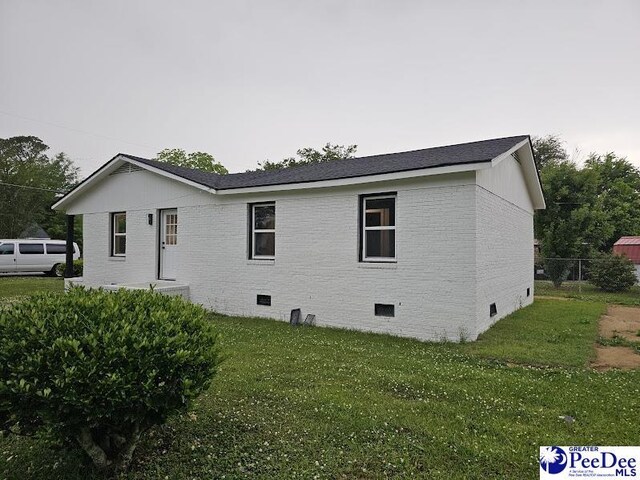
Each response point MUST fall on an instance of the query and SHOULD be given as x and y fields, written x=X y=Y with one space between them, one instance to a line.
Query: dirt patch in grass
x=621 y=321
x=620 y=324
x=623 y=358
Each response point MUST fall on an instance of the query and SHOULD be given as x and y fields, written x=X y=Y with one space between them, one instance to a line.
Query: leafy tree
x=612 y=273
x=307 y=156
x=198 y=160
x=588 y=208
x=618 y=192
x=549 y=149
x=31 y=182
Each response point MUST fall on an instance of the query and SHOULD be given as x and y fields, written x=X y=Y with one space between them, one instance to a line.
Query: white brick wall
x=317 y=269
x=504 y=257
x=459 y=248
x=140 y=263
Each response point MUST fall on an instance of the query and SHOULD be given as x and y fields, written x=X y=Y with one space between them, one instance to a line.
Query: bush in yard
x=78 y=266
x=612 y=273
x=100 y=368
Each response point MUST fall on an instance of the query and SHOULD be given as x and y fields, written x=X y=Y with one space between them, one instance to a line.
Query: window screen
x=118 y=234
x=263 y=230
x=378 y=232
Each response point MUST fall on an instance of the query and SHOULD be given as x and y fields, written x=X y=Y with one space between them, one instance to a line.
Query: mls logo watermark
x=558 y=463
x=552 y=459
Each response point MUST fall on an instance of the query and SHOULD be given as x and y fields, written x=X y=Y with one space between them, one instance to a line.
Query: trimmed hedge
x=100 y=368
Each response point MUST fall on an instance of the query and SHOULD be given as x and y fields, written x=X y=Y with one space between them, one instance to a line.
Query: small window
x=384 y=310
x=263 y=231
x=6 y=249
x=378 y=232
x=264 y=300
x=56 y=248
x=528 y=292
x=31 y=248
x=118 y=234
x=493 y=310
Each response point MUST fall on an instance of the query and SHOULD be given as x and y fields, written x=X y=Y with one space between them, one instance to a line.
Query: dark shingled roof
x=461 y=154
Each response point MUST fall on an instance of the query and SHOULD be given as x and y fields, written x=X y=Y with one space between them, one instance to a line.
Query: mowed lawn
x=326 y=403
x=550 y=332
x=12 y=287
x=588 y=292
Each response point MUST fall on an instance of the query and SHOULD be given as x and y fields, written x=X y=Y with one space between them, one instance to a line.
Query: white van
x=34 y=255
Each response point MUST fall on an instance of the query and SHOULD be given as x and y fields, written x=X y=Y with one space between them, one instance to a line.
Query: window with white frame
x=118 y=234
x=263 y=231
x=378 y=233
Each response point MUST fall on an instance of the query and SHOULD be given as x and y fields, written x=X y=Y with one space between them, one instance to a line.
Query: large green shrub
x=612 y=273
x=99 y=368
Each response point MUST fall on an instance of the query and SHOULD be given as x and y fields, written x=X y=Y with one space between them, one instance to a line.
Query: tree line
x=589 y=205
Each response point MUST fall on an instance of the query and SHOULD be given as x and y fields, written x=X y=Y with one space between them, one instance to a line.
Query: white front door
x=168 y=244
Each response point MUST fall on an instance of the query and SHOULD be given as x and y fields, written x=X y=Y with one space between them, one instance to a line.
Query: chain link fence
x=571 y=269
x=568 y=269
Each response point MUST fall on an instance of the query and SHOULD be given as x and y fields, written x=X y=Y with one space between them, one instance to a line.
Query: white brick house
x=430 y=244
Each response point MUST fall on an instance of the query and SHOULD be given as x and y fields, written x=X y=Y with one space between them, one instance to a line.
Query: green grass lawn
x=11 y=287
x=324 y=403
x=550 y=332
x=588 y=292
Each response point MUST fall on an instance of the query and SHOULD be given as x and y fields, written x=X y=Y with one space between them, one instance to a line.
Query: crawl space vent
x=384 y=310
x=264 y=300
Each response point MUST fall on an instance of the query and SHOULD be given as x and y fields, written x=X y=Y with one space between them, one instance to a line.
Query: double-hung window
x=378 y=234
x=118 y=234
x=263 y=231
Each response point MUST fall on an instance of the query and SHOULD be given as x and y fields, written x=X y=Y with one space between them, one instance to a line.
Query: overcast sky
x=249 y=81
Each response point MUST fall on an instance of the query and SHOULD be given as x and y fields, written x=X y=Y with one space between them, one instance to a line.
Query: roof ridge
x=160 y=162
x=444 y=158
x=440 y=146
x=440 y=156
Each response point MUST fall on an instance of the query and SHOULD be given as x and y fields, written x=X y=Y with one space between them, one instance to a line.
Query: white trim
x=255 y=231
x=506 y=154
x=115 y=234
x=171 y=175
x=378 y=265
x=112 y=165
x=530 y=171
x=533 y=180
x=380 y=228
x=531 y=176
x=163 y=214
x=269 y=262
x=383 y=177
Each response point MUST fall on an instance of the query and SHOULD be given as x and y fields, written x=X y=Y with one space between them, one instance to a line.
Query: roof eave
x=359 y=180
x=530 y=170
x=109 y=167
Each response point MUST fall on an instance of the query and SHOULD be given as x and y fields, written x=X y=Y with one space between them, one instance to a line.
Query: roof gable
x=461 y=157
x=461 y=154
